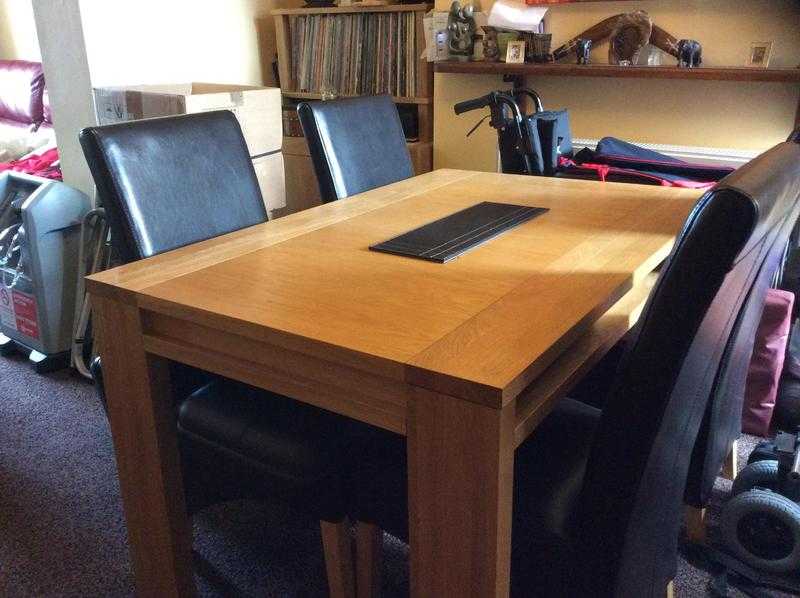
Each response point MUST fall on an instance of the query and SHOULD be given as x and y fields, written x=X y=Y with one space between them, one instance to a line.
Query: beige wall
x=173 y=41
x=94 y=43
x=18 y=39
x=709 y=114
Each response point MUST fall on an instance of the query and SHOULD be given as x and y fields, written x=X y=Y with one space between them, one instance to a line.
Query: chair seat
x=261 y=443
x=549 y=469
x=292 y=440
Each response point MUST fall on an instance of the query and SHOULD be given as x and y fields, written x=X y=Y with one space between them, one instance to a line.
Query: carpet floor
x=62 y=532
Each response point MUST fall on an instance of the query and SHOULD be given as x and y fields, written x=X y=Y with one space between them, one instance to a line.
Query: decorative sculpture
x=631 y=33
x=461 y=29
x=690 y=53
x=608 y=27
x=491 y=49
x=582 y=50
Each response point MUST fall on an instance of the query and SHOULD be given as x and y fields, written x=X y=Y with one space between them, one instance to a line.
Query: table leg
x=143 y=426
x=461 y=468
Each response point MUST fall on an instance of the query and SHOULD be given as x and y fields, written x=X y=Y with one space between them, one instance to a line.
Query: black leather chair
x=599 y=493
x=716 y=446
x=356 y=144
x=722 y=422
x=170 y=182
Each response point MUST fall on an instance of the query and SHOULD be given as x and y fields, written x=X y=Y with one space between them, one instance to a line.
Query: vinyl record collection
x=355 y=54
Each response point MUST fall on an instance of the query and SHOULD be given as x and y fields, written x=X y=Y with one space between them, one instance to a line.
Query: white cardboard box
x=270 y=175
x=258 y=109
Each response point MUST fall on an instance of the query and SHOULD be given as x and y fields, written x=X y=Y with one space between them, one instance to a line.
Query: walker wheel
x=761 y=474
x=762 y=529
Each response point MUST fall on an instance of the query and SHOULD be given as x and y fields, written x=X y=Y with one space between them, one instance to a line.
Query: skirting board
x=715 y=156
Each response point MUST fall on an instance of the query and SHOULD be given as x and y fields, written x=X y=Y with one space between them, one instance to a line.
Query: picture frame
x=515 y=53
x=760 y=54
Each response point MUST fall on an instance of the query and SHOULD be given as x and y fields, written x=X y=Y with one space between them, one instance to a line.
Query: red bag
x=766 y=364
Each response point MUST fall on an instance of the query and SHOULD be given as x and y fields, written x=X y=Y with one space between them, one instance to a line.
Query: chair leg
x=730 y=468
x=338 y=549
x=696 y=525
x=671 y=590
x=369 y=558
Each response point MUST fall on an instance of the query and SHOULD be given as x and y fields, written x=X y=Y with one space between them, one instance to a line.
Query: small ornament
x=461 y=29
x=690 y=53
x=631 y=33
x=582 y=49
x=491 y=50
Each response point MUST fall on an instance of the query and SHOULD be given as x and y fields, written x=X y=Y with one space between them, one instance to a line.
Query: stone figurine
x=461 y=30
x=491 y=49
x=690 y=53
x=582 y=49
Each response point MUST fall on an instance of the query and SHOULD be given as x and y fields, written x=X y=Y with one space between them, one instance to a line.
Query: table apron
x=357 y=394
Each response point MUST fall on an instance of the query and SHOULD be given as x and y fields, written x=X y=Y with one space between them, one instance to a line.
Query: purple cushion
x=766 y=363
x=21 y=90
x=7 y=122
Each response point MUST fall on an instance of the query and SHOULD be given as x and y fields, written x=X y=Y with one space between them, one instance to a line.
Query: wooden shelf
x=304 y=95
x=301 y=186
x=546 y=3
x=351 y=9
x=612 y=70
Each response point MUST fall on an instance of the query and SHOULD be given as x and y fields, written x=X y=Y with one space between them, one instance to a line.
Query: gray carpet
x=62 y=532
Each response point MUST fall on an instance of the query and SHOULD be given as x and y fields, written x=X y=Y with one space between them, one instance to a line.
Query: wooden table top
x=481 y=327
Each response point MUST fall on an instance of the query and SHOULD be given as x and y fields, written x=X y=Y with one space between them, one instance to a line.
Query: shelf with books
x=304 y=95
x=355 y=51
x=354 y=8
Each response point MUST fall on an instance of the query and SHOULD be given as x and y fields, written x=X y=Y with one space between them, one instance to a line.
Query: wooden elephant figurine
x=689 y=53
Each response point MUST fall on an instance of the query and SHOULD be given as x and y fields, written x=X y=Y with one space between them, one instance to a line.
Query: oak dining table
x=464 y=358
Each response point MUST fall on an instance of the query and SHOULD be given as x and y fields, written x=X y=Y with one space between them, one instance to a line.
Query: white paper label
x=7 y=316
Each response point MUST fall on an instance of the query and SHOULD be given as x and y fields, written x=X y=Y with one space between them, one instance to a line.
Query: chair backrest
x=170 y=182
x=631 y=504
x=356 y=144
x=722 y=422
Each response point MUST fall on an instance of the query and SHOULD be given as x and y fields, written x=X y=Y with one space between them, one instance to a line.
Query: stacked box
x=258 y=110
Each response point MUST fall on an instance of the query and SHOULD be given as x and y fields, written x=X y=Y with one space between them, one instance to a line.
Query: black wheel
x=787 y=406
x=762 y=529
x=761 y=474
x=764 y=451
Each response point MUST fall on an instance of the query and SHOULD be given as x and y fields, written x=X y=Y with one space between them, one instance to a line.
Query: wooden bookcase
x=301 y=185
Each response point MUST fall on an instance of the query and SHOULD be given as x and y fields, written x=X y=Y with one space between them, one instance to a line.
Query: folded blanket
x=16 y=142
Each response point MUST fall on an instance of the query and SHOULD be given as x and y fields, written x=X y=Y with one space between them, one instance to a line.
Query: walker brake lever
x=478 y=124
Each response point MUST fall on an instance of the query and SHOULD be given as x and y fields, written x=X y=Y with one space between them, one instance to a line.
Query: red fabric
x=766 y=364
x=43 y=165
x=603 y=170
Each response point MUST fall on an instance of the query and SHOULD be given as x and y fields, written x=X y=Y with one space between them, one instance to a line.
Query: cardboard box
x=258 y=109
x=302 y=190
x=270 y=175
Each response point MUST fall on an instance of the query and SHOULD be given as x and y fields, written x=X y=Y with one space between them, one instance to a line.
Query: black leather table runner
x=447 y=238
